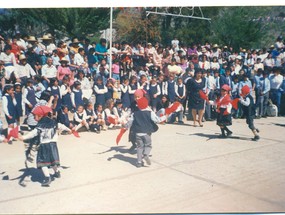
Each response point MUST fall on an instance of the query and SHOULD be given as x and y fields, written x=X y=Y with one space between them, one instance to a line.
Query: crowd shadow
x=124 y=158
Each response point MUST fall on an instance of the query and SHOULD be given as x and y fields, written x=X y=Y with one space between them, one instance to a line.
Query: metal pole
x=170 y=14
x=111 y=37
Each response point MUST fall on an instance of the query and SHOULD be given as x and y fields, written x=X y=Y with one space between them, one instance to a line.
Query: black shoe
x=139 y=165
x=180 y=122
x=229 y=133
x=21 y=132
x=257 y=130
x=57 y=174
x=133 y=147
x=256 y=138
x=46 y=182
x=264 y=116
x=64 y=133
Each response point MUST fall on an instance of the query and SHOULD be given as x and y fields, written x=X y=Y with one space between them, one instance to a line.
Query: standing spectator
x=269 y=61
x=195 y=103
x=264 y=94
x=276 y=80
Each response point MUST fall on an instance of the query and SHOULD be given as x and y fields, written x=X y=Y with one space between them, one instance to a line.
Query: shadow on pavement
x=29 y=174
x=120 y=149
x=124 y=158
x=216 y=136
x=283 y=125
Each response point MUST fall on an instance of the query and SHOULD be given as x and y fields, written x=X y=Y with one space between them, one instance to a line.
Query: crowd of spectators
x=79 y=80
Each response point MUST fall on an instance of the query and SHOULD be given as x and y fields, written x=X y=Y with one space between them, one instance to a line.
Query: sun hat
x=32 y=39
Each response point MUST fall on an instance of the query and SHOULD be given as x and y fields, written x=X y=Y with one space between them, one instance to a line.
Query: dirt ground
x=192 y=171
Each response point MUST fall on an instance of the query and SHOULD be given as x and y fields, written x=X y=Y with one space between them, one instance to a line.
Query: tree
x=70 y=21
x=237 y=26
x=134 y=27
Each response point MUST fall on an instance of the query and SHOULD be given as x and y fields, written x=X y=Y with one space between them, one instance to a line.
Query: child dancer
x=45 y=130
x=224 y=108
x=143 y=124
x=249 y=110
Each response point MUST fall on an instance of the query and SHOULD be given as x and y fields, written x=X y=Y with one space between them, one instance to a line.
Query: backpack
x=272 y=109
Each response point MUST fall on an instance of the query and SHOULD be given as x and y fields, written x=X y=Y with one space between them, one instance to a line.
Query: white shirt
x=49 y=71
x=211 y=82
x=215 y=65
x=78 y=59
x=24 y=71
x=204 y=65
x=269 y=62
x=125 y=88
x=22 y=43
x=50 y=48
x=8 y=58
x=176 y=89
x=5 y=104
x=100 y=91
x=85 y=83
x=77 y=119
x=275 y=81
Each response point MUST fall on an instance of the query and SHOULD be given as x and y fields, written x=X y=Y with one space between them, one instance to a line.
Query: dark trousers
x=263 y=104
x=275 y=96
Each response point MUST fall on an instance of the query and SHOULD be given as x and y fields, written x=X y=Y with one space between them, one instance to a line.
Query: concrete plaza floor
x=192 y=171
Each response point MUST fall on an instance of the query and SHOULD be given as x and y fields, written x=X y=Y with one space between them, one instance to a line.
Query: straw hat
x=244 y=50
x=46 y=37
x=22 y=57
x=225 y=47
x=32 y=39
x=63 y=60
x=204 y=50
x=215 y=46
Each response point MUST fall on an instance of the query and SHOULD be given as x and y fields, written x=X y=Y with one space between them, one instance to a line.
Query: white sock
x=45 y=171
